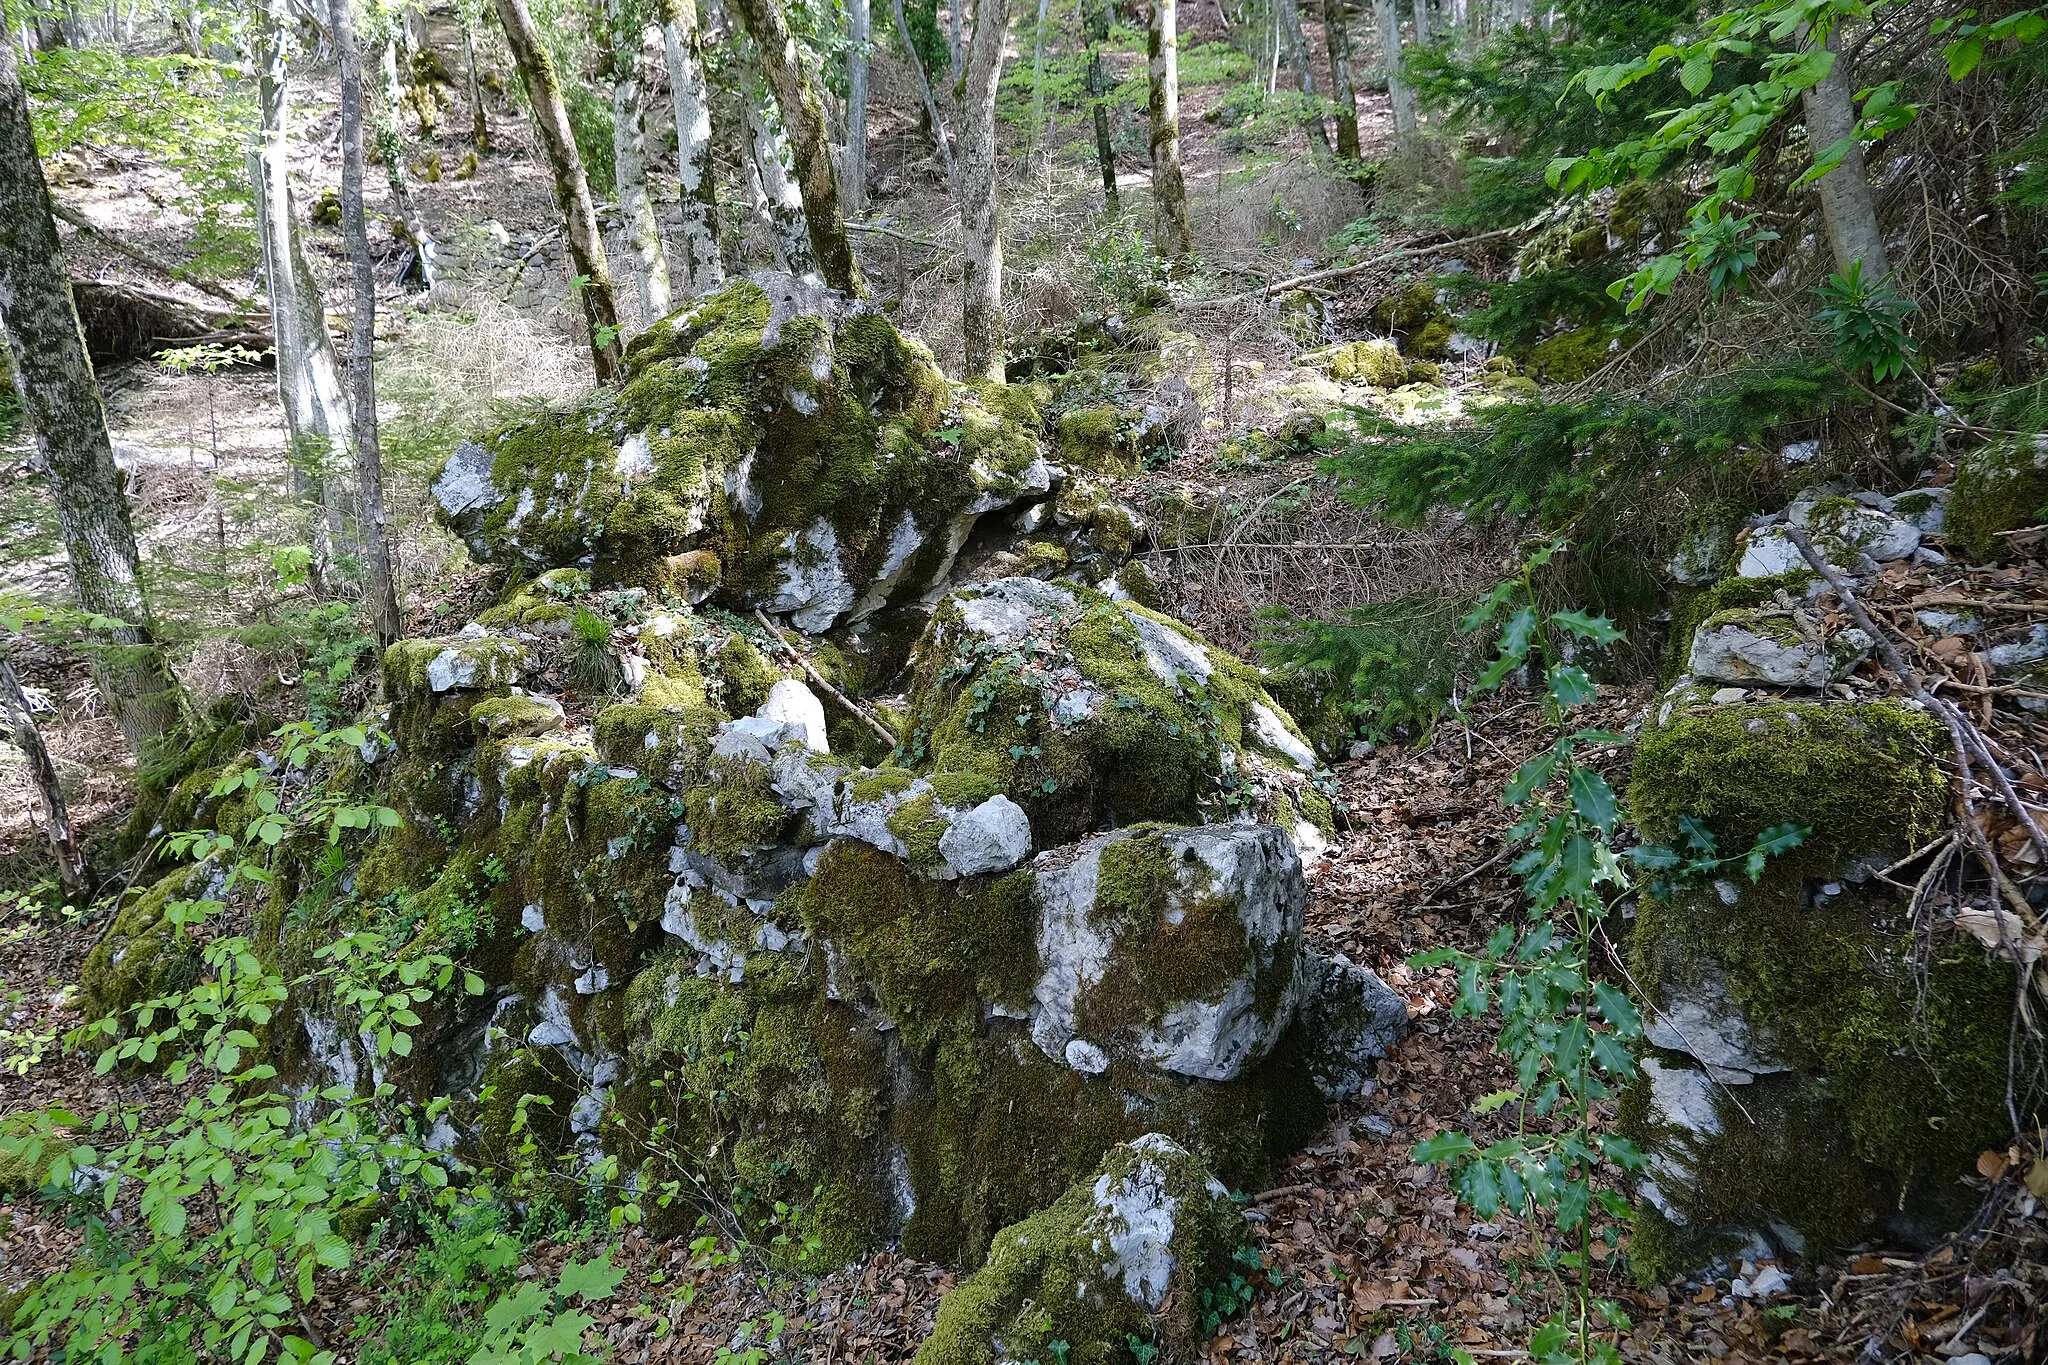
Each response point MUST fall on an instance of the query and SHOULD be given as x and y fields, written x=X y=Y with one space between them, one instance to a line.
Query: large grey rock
x=791 y=703
x=994 y=836
x=1762 y=646
x=1104 y=962
x=1348 y=1019
x=1703 y=1020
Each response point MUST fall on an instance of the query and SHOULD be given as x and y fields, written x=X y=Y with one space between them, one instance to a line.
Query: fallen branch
x=142 y=257
x=887 y=735
x=881 y=231
x=1345 y=272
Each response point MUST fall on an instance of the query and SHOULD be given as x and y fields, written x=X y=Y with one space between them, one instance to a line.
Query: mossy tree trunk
x=309 y=384
x=1095 y=26
x=61 y=397
x=1845 y=198
x=1337 y=38
x=781 y=203
x=1170 y=235
x=683 y=45
x=572 y=187
x=14 y=709
x=859 y=39
x=646 y=262
x=382 y=598
x=803 y=120
x=1304 y=71
x=1388 y=20
x=981 y=223
x=391 y=147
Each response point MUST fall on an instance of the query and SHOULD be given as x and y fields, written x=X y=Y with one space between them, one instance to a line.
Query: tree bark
x=1398 y=93
x=55 y=382
x=479 y=121
x=781 y=203
x=382 y=598
x=56 y=813
x=1337 y=38
x=803 y=121
x=956 y=42
x=683 y=44
x=309 y=385
x=646 y=262
x=572 y=187
x=1423 y=25
x=1170 y=235
x=391 y=147
x=1095 y=20
x=1304 y=72
x=981 y=224
x=859 y=39
x=1845 y=199
x=931 y=102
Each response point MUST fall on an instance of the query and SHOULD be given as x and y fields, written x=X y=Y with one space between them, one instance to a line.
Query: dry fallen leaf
x=1991 y=1165
x=2037 y=1178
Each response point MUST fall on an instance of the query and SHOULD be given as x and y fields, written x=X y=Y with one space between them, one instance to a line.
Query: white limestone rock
x=1747 y=647
x=791 y=703
x=994 y=836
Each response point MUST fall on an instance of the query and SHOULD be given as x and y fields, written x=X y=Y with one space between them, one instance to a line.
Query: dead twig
x=1345 y=272
x=887 y=735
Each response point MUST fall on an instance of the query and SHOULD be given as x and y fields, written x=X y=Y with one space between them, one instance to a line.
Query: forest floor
x=1364 y=1254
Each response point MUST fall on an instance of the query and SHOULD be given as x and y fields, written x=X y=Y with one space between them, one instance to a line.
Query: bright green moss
x=143 y=956
x=1043 y=558
x=736 y=811
x=743 y=674
x=1999 y=487
x=1094 y=439
x=514 y=717
x=880 y=783
x=931 y=950
x=1570 y=356
x=1692 y=609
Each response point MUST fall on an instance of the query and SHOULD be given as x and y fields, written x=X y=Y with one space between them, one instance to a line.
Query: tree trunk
x=956 y=42
x=309 y=386
x=1304 y=73
x=1337 y=38
x=1170 y=236
x=1398 y=93
x=803 y=120
x=981 y=224
x=859 y=39
x=391 y=147
x=1038 y=72
x=572 y=187
x=58 y=392
x=56 y=814
x=382 y=598
x=1095 y=18
x=924 y=86
x=1475 y=14
x=683 y=44
x=1845 y=198
x=781 y=203
x=479 y=122
x=645 y=260
x=1423 y=26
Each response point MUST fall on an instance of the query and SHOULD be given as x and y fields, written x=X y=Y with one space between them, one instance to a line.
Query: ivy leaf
x=594 y=1279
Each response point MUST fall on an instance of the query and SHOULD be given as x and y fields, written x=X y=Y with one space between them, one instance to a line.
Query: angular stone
x=1749 y=646
x=791 y=703
x=994 y=836
x=1349 y=1019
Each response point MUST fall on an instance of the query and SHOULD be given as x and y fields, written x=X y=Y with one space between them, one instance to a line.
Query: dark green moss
x=2000 y=487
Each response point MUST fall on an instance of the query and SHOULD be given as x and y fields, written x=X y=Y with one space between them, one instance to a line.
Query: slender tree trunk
x=1304 y=72
x=859 y=40
x=682 y=42
x=782 y=204
x=646 y=262
x=56 y=814
x=1845 y=198
x=981 y=223
x=479 y=121
x=924 y=86
x=309 y=382
x=1423 y=24
x=55 y=382
x=956 y=42
x=1398 y=93
x=1337 y=38
x=1475 y=16
x=391 y=147
x=382 y=597
x=1038 y=72
x=1095 y=18
x=1170 y=236
x=572 y=187
x=1518 y=12
x=803 y=120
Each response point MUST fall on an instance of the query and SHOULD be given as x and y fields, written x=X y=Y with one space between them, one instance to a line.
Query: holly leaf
x=1444 y=1147
x=1593 y=798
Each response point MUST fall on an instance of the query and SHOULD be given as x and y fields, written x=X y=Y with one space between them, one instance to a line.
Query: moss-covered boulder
x=794 y=445
x=144 y=955
x=1093 y=713
x=1816 y=1070
x=1134 y=1253
x=2000 y=486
